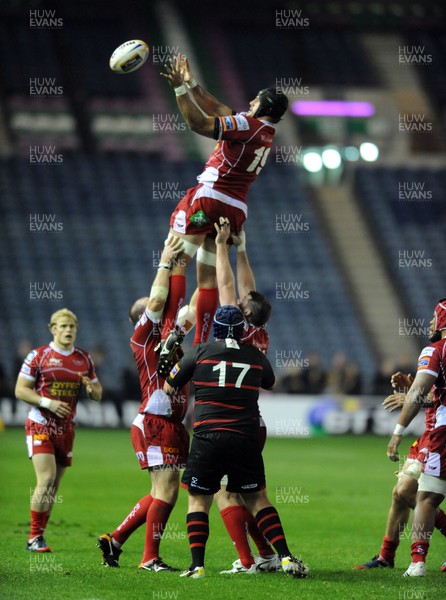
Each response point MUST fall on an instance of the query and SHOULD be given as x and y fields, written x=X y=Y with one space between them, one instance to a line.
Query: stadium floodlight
x=369 y=151
x=332 y=108
x=331 y=158
x=351 y=153
x=312 y=161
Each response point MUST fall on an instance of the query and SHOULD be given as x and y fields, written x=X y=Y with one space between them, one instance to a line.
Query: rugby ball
x=129 y=57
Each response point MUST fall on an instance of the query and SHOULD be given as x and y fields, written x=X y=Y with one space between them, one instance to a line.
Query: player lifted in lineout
x=244 y=141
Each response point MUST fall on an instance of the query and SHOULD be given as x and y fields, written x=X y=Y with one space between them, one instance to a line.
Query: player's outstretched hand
x=173 y=71
x=239 y=240
x=172 y=247
x=401 y=381
x=394 y=401
x=223 y=231
x=392 y=447
x=185 y=69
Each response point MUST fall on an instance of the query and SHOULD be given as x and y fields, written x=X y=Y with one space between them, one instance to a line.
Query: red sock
x=419 y=550
x=235 y=523
x=440 y=521
x=388 y=549
x=133 y=520
x=38 y=522
x=259 y=540
x=157 y=517
x=177 y=292
x=207 y=304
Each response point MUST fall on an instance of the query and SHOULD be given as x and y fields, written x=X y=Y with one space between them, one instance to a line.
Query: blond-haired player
x=50 y=380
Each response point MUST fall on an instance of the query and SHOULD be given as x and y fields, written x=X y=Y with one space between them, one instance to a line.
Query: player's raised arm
x=225 y=276
x=160 y=285
x=246 y=282
x=206 y=101
x=197 y=121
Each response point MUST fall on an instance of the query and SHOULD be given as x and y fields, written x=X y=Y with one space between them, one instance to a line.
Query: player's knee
x=46 y=480
x=256 y=501
x=224 y=499
x=405 y=491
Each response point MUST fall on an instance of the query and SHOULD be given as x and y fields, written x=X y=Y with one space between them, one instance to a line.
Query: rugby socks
x=235 y=523
x=157 y=517
x=419 y=550
x=38 y=523
x=440 y=521
x=198 y=533
x=268 y=521
x=388 y=549
x=177 y=292
x=259 y=540
x=133 y=520
x=207 y=304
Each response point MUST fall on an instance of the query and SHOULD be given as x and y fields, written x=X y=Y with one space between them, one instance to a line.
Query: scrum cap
x=228 y=323
x=273 y=103
x=440 y=312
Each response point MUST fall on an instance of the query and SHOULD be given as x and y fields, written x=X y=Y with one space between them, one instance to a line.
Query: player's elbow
x=156 y=304
x=201 y=126
x=19 y=390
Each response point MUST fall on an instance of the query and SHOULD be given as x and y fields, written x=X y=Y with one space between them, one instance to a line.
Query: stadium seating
x=406 y=220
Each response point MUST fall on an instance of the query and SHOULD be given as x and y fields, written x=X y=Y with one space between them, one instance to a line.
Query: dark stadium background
x=92 y=164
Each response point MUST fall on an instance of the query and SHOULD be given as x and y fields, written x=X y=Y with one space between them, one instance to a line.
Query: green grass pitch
x=332 y=494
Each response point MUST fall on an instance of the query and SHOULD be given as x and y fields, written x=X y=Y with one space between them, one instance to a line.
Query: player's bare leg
x=403 y=499
x=423 y=524
x=60 y=471
x=46 y=471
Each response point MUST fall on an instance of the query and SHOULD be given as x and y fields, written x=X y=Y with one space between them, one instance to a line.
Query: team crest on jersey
x=199 y=219
x=78 y=362
x=55 y=362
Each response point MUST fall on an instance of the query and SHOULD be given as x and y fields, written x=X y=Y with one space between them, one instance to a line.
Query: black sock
x=268 y=521
x=198 y=533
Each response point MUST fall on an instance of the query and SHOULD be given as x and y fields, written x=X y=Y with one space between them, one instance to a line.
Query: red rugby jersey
x=55 y=373
x=432 y=360
x=242 y=150
x=143 y=342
